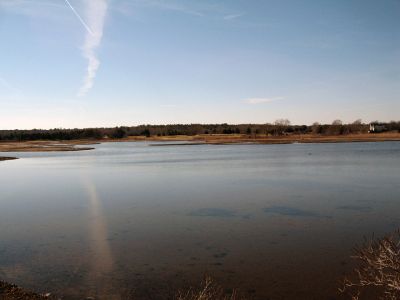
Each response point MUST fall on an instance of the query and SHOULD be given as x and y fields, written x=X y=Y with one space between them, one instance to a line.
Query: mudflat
x=44 y=146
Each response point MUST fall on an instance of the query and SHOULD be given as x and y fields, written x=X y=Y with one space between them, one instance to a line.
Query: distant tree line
x=278 y=128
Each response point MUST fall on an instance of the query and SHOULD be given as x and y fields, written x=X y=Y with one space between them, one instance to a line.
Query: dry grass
x=264 y=139
x=208 y=291
x=378 y=270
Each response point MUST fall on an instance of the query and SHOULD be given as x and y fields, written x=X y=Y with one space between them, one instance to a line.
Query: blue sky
x=129 y=62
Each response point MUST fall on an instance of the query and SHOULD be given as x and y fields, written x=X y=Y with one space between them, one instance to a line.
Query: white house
x=374 y=128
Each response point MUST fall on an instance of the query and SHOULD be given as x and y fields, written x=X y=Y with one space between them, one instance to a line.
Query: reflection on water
x=212 y=212
x=102 y=260
x=355 y=207
x=127 y=220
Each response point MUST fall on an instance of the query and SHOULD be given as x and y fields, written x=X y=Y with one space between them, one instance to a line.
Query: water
x=129 y=219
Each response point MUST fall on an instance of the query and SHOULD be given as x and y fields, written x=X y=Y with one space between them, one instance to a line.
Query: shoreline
x=217 y=139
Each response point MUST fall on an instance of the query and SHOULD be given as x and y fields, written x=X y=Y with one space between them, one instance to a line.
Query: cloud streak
x=186 y=7
x=34 y=8
x=232 y=16
x=262 y=100
x=96 y=11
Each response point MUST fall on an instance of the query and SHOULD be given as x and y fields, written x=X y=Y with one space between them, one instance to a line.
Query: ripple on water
x=212 y=212
x=354 y=208
x=293 y=212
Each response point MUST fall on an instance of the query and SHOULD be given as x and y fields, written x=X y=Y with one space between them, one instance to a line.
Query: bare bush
x=208 y=291
x=378 y=270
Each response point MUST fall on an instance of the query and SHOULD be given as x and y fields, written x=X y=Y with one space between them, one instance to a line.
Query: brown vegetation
x=378 y=271
x=208 y=291
x=13 y=292
x=265 y=139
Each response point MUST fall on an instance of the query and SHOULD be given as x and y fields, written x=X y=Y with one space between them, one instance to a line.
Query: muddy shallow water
x=126 y=219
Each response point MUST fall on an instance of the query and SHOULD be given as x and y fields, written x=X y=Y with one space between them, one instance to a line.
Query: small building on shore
x=376 y=128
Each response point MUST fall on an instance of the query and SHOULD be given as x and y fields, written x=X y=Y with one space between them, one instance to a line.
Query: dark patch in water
x=212 y=212
x=220 y=255
x=355 y=207
x=291 y=212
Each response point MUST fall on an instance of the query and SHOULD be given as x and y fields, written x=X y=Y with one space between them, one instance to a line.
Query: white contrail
x=79 y=17
x=96 y=11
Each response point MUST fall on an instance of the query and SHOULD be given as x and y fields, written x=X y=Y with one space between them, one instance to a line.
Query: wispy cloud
x=181 y=7
x=33 y=8
x=96 y=11
x=232 y=16
x=262 y=100
x=21 y=3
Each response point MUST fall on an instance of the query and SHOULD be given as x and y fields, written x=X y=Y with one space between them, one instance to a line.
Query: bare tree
x=337 y=122
x=282 y=122
x=315 y=127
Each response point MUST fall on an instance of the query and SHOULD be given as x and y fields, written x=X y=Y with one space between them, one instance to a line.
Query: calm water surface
x=129 y=219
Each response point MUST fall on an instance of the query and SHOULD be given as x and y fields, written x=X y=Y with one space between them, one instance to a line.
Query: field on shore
x=79 y=145
x=264 y=139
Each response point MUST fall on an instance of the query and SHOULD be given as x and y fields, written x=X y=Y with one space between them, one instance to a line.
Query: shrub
x=378 y=269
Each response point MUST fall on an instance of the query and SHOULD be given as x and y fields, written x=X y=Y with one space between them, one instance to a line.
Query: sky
x=103 y=63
